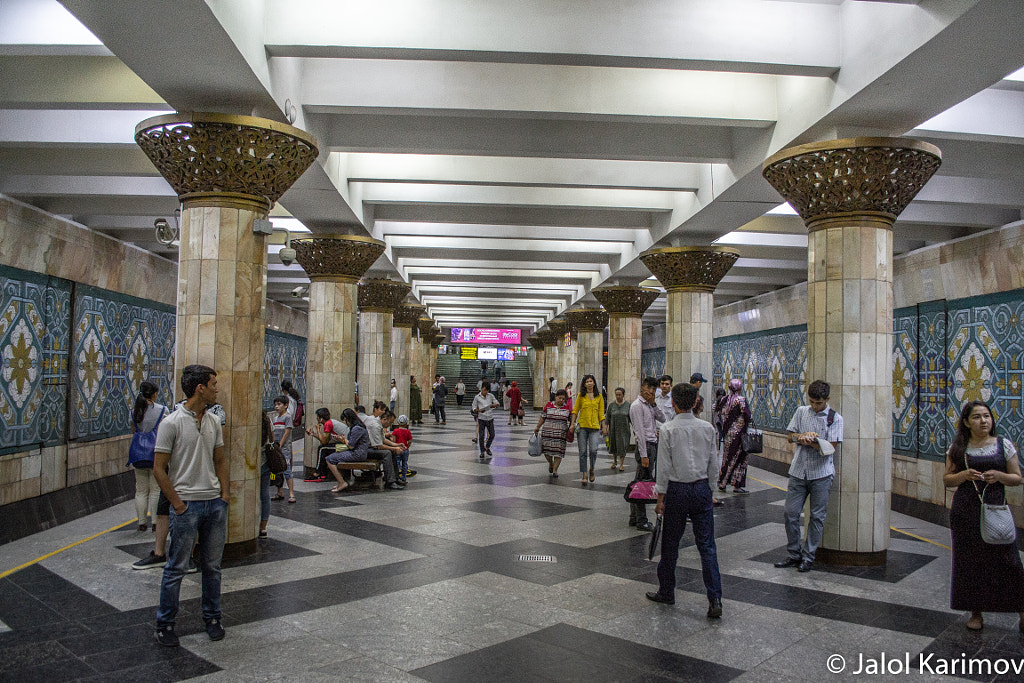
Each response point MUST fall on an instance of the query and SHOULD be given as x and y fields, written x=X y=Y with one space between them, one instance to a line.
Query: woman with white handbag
x=987 y=571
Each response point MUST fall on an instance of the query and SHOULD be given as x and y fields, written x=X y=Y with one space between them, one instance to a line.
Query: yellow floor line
x=905 y=533
x=72 y=545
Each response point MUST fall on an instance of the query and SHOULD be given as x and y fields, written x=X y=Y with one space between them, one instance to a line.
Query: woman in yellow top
x=588 y=416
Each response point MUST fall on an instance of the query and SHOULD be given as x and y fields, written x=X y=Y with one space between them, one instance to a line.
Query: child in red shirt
x=401 y=434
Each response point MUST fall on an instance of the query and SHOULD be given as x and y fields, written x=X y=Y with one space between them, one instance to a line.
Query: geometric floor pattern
x=427 y=584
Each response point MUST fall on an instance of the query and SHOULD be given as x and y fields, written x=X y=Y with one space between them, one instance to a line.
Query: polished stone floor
x=430 y=583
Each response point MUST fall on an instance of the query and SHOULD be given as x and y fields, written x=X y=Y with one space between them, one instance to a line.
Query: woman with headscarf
x=515 y=401
x=735 y=417
x=415 y=402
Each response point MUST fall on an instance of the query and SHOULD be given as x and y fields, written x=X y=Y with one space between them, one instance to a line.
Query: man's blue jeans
x=588 y=441
x=207 y=521
x=691 y=500
x=800 y=490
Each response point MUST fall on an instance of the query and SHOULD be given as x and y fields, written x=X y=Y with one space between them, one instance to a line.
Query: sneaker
x=263 y=534
x=192 y=566
x=166 y=636
x=214 y=629
x=410 y=473
x=154 y=561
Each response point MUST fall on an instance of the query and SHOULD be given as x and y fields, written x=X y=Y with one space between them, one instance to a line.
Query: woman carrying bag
x=146 y=417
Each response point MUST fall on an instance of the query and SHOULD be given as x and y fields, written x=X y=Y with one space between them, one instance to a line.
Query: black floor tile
x=48 y=672
x=899 y=565
x=268 y=550
x=522 y=509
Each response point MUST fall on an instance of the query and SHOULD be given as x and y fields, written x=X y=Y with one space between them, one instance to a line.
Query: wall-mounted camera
x=287 y=256
x=299 y=292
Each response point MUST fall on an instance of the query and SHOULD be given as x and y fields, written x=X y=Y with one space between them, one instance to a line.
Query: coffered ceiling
x=515 y=155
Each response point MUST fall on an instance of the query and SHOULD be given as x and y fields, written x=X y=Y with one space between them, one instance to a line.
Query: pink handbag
x=641 y=492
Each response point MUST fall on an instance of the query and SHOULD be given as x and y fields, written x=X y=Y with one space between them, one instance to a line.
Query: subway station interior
x=339 y=194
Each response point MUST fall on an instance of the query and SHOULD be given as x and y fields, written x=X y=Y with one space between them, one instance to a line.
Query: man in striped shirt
x=812 y=428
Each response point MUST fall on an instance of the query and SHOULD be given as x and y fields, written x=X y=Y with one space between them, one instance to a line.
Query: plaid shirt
x=808 y=462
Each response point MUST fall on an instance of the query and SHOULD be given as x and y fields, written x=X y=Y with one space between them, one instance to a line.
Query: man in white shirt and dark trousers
x=813 y=428
x=644 y=419
x=483 y=407
x=663 y=399
x=194 y=474
x=686 y=449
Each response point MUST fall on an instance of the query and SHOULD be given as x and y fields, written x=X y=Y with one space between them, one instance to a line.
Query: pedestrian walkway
x=486 y=571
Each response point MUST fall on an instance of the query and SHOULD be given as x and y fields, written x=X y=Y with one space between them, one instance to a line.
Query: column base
x=236 y=551
x=847 y=558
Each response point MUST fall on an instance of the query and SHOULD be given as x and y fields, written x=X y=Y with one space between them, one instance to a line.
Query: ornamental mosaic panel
x=284 y=357
x=772 y=365
x=904 y=379
x=652 y=363
x=118 y=341
x=34 y=340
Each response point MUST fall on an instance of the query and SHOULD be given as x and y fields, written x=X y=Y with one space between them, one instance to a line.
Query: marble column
x=227 y=171
x=540 y=380
x=849 y=193
x=552 y=341
x=378 y=299
x=556 y=361
x=436 y=340
x=589 y=324
x=689 y=276
x=625 y=306
x=334 y=264
x=406 y=316
x=421 y=348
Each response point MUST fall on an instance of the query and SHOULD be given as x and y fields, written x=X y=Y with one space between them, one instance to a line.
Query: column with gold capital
x=553 y=361
x=625 y=306
x=421 y=357
x=227 y=171
x=540 y=380
x=334 y=264
x=589 y=324
x=849 y=193
x=690 y=275
x=378 y=299
x=405 y=319
x=551 y=340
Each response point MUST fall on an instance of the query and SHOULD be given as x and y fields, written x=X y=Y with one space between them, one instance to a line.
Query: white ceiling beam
x=71 y=127
x=709 y=34
x=405 y=193
x=989 y=115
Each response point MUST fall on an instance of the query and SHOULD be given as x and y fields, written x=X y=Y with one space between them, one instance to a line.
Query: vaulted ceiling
x=515 y=155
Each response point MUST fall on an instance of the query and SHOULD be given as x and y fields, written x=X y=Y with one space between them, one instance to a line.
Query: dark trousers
x=484 y=429
x=691 y=500
x=439 y=414
x=387 y=458
x=458 y=399
x=638 y=511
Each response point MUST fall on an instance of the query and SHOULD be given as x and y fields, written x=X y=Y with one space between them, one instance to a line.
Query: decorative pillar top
x=224 y=160
x=439 y=339
x=535 y=341
x=690 y=269
x=407 y=315
x=549 y=338
x=559 y=327
x=381 y=296
x=625 y=301
x=342 y=258
x=866 y=178
x=587 y=320
x=424 y=327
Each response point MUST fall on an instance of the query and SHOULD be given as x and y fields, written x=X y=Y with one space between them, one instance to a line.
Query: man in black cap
x=697 y=380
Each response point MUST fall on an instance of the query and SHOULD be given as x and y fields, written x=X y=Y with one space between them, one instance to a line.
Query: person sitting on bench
x=358 y=444
x=328 y=432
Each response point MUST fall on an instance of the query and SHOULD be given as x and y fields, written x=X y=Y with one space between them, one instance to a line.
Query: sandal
x=277 y=497
x=292 y=499
x=591 y=475
x=622 y=468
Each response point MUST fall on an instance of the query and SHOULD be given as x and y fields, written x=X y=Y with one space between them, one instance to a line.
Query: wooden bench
x=368 y=466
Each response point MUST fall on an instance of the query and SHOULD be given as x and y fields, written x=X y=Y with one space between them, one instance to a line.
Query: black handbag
x=276 y=462
x=752 y=440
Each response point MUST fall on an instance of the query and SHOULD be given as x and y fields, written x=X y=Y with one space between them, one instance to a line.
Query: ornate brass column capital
x=548 y=338
x=559 y=327
x=690 y=269
x=535 y=341
x=424 y=326
x=624 y=301
x=438 y=340
x=381 y=296
x=407 y=315
x=226 y=160
x=341 y=258
x=586 y=320
x=865 y=178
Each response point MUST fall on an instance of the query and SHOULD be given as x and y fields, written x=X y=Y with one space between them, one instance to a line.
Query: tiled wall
x=284 y=358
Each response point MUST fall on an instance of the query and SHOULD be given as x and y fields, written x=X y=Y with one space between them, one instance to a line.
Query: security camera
x=298 y=291
x=287 y=256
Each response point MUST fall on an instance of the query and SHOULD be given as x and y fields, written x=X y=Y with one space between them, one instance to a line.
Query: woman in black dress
x=986 y=578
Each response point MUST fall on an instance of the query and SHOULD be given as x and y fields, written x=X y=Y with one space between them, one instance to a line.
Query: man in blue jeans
x=687 y=461
x=817 y=430
x=193 y=473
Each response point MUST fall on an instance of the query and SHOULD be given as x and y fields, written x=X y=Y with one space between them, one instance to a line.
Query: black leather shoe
x=788 y=562
x=805 y=566
x=646 y=526
x=655 y=596
x=714 y=608
x=632 y=522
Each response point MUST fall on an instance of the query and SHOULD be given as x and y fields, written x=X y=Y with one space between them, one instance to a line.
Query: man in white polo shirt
x=193 y=473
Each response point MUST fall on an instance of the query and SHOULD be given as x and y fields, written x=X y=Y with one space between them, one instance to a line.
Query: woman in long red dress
x=515 y=400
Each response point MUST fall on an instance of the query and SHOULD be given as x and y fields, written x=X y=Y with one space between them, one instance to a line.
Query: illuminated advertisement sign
x=468 y=353
x=506 y=354
x=484 y=335
x=487 y=353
